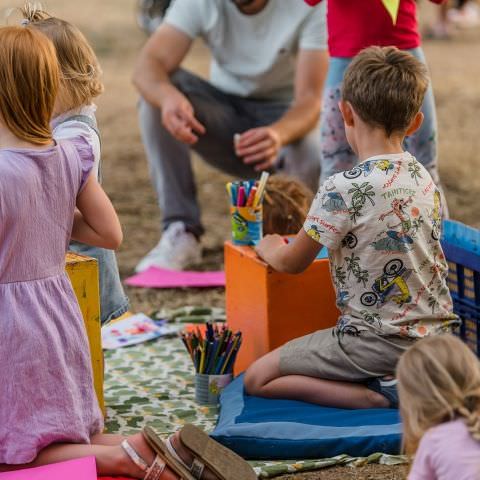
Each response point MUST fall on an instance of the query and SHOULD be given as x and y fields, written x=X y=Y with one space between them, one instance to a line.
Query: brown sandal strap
x=156 y=469
x=196 y=468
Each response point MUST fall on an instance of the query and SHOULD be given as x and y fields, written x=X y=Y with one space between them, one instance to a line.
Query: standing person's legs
x=423 y=144
x=335 y=152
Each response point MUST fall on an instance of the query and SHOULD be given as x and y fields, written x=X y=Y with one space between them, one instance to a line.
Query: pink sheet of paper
x=80 y=469
x=161 y=278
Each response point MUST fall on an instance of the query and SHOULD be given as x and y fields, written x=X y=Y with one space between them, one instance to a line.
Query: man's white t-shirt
x=252 y=55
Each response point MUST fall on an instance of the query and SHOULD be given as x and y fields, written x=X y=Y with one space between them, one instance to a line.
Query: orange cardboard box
x=271 y=308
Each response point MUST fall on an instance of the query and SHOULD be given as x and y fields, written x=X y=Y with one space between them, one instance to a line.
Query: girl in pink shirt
x=352 y=26
x=439 y=390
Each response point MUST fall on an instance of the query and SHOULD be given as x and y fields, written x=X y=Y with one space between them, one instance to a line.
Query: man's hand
x=178 y=117
x=259 y=146
x=268 y=245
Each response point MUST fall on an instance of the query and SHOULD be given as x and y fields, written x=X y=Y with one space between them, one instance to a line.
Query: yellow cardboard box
x=83 y=273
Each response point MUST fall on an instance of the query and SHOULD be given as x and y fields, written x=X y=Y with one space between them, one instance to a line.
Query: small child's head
x=29 y=79
x=383 y=89
x=438 y=381
x=80 y=70
x=285 y=205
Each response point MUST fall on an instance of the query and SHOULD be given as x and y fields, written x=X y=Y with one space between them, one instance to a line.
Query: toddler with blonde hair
x=74 y=115
x=439 y=389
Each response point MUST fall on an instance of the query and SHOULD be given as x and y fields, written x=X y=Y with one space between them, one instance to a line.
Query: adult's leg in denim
x=170 y=159
x=301 y=159
x=113 y=301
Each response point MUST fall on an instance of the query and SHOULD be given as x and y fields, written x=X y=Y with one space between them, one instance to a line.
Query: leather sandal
x=152 y=472
x=207 y=453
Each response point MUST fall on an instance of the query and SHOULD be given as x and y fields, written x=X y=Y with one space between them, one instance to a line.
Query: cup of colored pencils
x=213 y=353
x=246 y=210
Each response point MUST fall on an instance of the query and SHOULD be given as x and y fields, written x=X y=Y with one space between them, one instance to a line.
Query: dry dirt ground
x=110 y=26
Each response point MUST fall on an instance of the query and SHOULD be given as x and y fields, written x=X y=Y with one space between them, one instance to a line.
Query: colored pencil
x=247 y=193
x=213 y=351
x=261 y=189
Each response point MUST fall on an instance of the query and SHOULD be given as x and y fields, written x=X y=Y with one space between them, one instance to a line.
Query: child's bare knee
x=261 y=372
x=253 y=381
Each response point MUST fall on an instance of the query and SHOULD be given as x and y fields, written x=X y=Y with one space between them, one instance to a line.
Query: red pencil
x=251 y=197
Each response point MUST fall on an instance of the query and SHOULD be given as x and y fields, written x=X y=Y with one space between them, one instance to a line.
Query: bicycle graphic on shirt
x=391 y=285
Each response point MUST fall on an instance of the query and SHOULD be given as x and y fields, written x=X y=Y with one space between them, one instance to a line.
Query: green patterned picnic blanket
x=153 y=383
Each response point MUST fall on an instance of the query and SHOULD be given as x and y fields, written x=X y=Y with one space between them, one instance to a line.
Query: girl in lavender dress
x=48 y=409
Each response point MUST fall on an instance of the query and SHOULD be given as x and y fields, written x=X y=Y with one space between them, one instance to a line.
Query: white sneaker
x=175 y=251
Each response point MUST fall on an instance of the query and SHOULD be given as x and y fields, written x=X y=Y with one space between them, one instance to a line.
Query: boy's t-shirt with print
x=381 y=223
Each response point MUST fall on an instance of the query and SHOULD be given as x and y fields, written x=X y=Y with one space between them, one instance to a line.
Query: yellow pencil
x=261 y=188
x=225 y=364
x=202 y=359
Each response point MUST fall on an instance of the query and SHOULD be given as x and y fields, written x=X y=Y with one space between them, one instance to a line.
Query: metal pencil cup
x=247 y=225
x=209 y=387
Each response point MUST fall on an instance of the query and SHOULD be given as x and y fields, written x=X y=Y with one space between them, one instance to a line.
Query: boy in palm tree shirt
x=381 y=224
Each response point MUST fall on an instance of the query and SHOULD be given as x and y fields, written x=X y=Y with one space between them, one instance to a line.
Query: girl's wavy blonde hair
x=29 y=79
x=438 y=381
x=80 y=70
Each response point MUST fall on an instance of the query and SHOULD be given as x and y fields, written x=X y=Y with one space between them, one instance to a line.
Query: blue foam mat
x=259 y=428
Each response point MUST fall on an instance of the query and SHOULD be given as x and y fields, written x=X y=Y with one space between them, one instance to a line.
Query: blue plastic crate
x=461 y=245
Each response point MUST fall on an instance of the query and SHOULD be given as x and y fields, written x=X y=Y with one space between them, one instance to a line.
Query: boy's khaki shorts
x=331 y=355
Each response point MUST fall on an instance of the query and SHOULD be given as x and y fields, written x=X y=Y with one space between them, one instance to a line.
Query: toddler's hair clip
x=25 y=22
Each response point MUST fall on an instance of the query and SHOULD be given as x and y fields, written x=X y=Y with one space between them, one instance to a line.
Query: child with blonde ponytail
x=439 y=389
x=74 y=116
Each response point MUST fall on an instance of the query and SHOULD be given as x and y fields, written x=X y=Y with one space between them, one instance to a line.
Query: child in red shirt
x=352 y=26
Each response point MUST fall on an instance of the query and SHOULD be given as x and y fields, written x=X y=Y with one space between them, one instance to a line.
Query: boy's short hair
x=385 y=87
x=81 y=72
